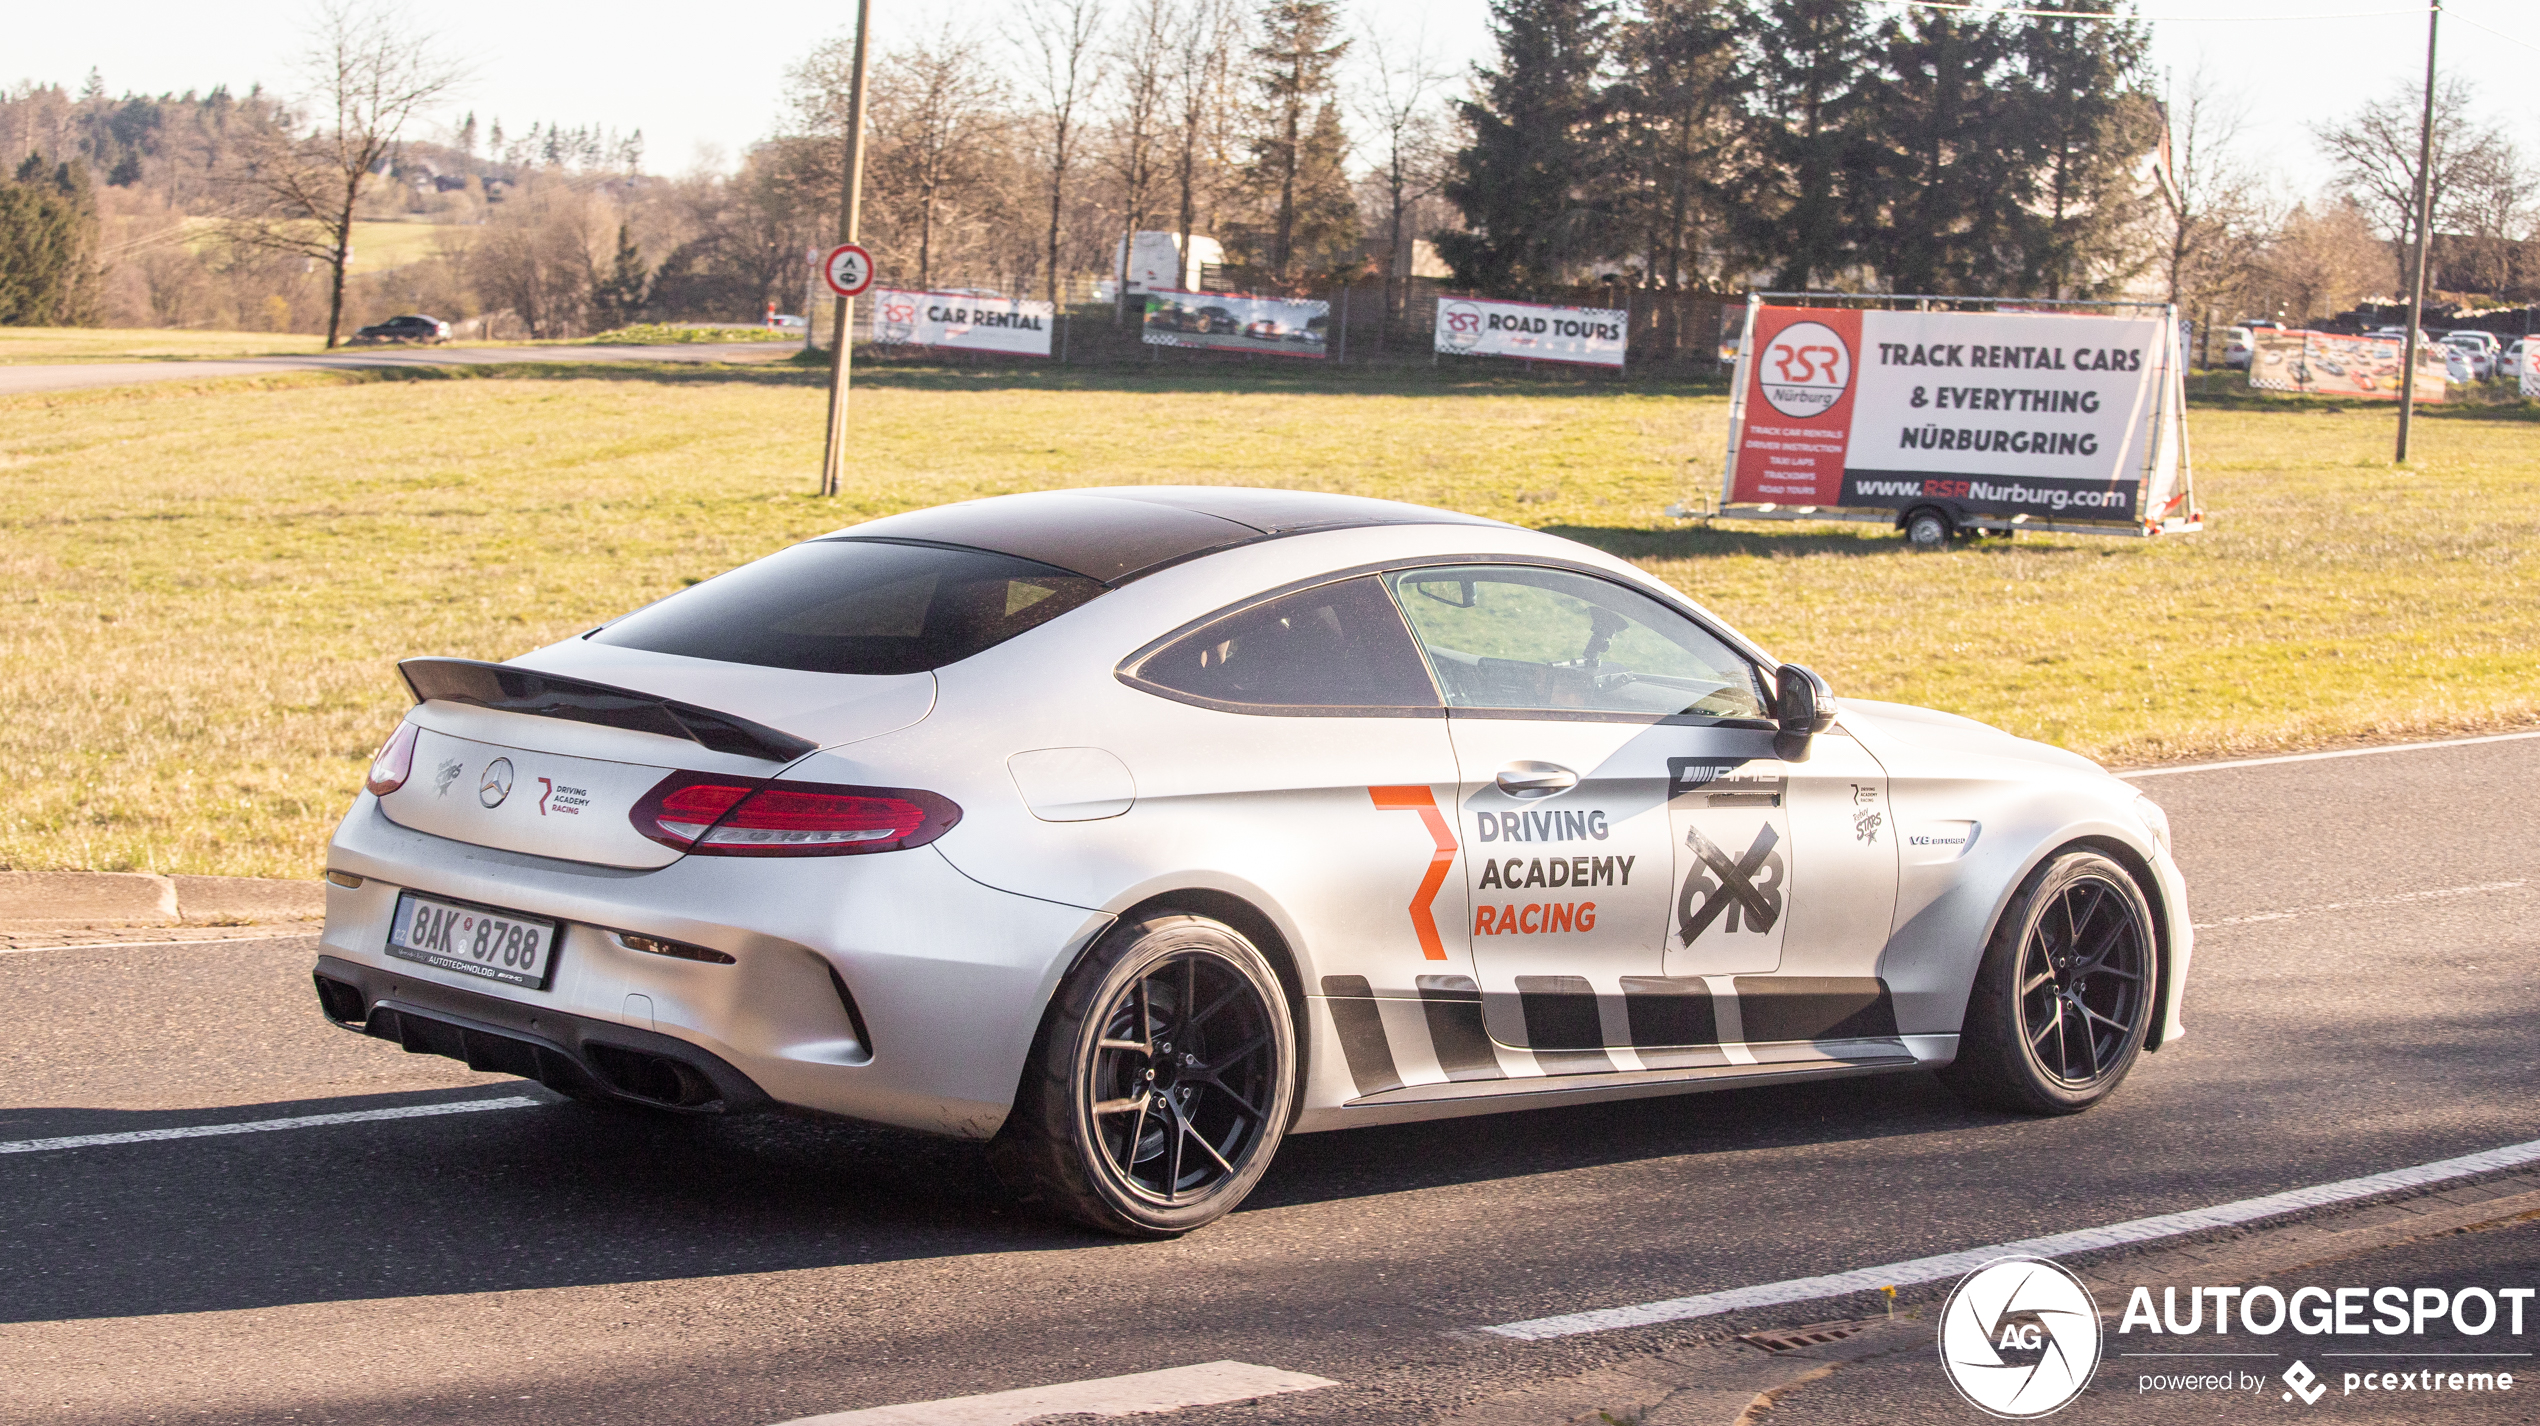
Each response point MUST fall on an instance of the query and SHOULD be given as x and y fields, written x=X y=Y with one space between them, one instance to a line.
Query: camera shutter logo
x=1804 y=369
x=496 y=784
x=1463 y=323
x=2019 y=1338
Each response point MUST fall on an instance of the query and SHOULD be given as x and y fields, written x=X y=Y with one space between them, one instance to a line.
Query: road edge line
x=2080 y=1240
x=2324 y=757
x=263 y=1126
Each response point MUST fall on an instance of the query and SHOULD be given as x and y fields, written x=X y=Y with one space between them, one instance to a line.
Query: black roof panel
x=1117 y=533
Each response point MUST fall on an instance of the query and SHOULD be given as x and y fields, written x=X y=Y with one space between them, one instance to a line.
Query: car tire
x=2064 y=996
x=1928 y=530
x=1133 y=1117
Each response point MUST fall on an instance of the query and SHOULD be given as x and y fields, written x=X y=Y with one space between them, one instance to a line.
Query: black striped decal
x=1673 y=1021
x=1562 y=1026
x=1362 y=1033
x=1775 y=1007
x=1453 y=1005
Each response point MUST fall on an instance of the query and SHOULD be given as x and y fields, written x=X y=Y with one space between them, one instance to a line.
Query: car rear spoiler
x=513 y=689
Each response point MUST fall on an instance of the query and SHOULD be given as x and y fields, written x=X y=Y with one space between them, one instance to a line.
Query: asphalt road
x=2363 y=999
x=72 y=376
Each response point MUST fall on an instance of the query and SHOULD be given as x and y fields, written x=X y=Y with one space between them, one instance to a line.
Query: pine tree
x=1676 y=107
x=1804 y=212
x=1943 y=186
x=2085 y=121
x=1534 y=180
x=49 y=275
x=617 y=300
x=1298 y=147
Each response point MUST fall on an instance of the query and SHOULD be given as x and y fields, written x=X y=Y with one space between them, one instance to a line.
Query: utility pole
x=833 y=457
x=2425 y=239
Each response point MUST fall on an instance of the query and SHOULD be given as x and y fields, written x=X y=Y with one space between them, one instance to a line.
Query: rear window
x=855 y=606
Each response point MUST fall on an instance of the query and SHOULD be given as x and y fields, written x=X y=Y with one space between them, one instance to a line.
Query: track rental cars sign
x=962 y=321
x=2017 y=412
x=1591 y=336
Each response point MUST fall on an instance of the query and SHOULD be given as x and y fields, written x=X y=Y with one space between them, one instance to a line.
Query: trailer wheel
x=1927 y=530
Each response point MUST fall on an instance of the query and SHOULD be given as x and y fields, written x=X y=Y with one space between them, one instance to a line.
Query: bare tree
x=1062 y=42
x=1137 y=128
x=1202 y=118
x=2376 y=157
x=2211 y=224
x=936 y=111
x=2320 y=259
x=2496 y=218
x=368 y=72
x=1397 y=100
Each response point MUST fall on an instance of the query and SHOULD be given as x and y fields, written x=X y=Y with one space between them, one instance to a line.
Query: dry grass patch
x=207 y=590
x=24 y=346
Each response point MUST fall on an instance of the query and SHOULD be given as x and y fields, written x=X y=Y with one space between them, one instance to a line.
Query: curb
x=64 y=900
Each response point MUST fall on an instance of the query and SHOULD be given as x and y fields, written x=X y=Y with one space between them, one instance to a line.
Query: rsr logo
x=1805 y=368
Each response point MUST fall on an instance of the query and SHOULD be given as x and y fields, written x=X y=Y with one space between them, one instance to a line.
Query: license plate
x=472 y=940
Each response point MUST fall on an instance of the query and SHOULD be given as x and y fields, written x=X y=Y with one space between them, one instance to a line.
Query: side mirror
x=1802 y=704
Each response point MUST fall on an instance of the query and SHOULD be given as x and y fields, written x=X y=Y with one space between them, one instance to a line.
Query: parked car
x=2510 y=365
x=2238 y=347
x=413 y=327
x=2480 y=348
x=1134 y=829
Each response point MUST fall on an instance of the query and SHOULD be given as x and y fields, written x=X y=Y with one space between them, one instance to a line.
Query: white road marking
x=2323 y=757
x=2083 y=1240
x=1207 y=1384
x=2398 y=899
x=192 y=941
x=263 y=1126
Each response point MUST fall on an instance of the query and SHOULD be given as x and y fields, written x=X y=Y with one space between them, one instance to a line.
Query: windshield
x=856 y=606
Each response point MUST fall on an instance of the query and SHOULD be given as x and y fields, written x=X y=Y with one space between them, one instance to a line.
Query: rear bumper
x=947 y=978
x=587 y=1059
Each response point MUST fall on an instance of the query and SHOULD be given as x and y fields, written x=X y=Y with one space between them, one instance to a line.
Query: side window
x=1510 y=636
x=1336 y=648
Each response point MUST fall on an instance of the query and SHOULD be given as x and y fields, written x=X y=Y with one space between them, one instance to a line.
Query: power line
x=2160 y=19
x=2473 y=24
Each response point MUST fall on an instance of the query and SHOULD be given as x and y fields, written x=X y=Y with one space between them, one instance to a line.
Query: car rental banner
x=1591 y=336
x=2009 y=412
x=1236 y=322
x=2324 y=364
x=963 y=321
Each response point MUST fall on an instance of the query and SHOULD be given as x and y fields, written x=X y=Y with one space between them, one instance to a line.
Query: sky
x=701 y=92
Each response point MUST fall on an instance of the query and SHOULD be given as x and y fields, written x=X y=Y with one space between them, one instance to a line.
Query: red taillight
x=706 y=815
x=395 y=762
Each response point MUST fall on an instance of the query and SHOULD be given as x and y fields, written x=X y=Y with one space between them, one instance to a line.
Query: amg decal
x=1722 y=785
x=1535 y=918
x=1418 y=799
x=1519 y=872
x=1730 y=888
x=1552 y=826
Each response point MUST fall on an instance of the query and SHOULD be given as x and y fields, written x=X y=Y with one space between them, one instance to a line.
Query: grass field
x=207 y=588
x=21 y=346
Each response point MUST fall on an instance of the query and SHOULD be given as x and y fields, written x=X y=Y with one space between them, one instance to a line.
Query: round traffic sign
x=848 y=269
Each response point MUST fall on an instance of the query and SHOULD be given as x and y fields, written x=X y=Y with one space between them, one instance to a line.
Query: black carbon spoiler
x=513 y=689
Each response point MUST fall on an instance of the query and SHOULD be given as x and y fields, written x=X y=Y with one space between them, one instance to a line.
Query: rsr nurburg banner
x=2018 y=412
x=963 y=321
x=1591 y=336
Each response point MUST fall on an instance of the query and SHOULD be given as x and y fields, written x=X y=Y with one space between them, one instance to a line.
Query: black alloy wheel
x=2065 y=995
x=2084 y=969
x=1181 y=1076
x=1161 y=1084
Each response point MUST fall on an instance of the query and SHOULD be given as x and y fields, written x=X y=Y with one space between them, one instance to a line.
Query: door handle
x=1531 y=780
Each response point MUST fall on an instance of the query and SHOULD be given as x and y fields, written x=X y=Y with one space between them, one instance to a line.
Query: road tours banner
x=1237 y=322
x=2323 y=364
x=1592 y=336
x=2045 y=415
x=963 y=321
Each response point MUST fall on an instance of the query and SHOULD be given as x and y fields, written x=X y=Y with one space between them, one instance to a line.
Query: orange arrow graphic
x=1417 y=799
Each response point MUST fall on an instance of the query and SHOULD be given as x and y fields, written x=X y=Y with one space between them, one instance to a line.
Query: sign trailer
x=2066 y=416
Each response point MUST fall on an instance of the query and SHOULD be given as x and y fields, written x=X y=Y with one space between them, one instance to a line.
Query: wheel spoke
x=1248 y=1046
x=2044 y=977
x=2038 y=1037
x=1220 y=1003
x=1228 y=1090
x=1173 y=1157
x=1121 y=1106
x=1205 y=1147
x=2117 y=1025
x=1139 y=1046
x=2089 y=1045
